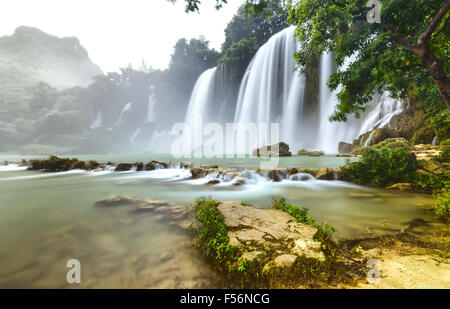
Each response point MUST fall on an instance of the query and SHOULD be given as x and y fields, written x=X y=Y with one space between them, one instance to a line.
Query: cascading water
x=381 y=115
x=201 y=104
x=273 y=91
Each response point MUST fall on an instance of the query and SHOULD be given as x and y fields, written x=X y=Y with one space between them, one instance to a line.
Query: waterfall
x=380 y=116
x=273 y=91
x=97 y=123
x=331 y=132
x=126 y=108
x=200 y=102
x=201 y=105
x=151 y=108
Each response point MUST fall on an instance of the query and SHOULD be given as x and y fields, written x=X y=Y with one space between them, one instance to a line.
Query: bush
x=445 y=151
x=442 y=205
x=384 y=166
x=431 y=182
x=211 y=231
x=441 y=125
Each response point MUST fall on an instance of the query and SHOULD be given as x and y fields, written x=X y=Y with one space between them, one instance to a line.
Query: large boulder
x=271 y=238
x=280 y=149
x=304 y=152
x=345 y=148
x=393 y=143
x=328 y=173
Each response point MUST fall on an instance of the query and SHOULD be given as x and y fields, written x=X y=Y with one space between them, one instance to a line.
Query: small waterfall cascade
x=385 y=107
x=125 y=109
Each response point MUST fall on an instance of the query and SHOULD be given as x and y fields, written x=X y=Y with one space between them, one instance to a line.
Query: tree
x=192 y=5
x=408 y=52
x=246 y=33
x=173 y=86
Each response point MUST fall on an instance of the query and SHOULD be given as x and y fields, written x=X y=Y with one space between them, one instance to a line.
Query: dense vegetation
x=211 y=232
x=384 y=166
x=406 y=53
x=211 y=238
x=391 y=162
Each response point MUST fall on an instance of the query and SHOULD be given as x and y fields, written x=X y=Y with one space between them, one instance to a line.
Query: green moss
x=441 y=125
x=423 y=135
x=444 y=157
x=430 y=182
x=383 y=166
x=442 y=205
x=212 y=234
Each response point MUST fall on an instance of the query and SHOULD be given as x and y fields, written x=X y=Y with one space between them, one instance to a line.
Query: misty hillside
x=30 y=55
x=34 y=68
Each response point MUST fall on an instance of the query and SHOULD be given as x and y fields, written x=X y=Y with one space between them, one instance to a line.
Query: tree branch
x=434 y=23
x=398 y=36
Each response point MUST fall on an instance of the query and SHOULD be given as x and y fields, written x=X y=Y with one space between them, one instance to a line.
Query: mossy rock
x=424 y=135
x=393 y=143
x=359 y=151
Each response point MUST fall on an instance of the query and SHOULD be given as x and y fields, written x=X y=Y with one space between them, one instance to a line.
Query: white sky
x=119 y=32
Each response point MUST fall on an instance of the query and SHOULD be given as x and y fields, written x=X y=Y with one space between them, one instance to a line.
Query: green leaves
x=381 y=63
x=211 y=231
x=384 y=166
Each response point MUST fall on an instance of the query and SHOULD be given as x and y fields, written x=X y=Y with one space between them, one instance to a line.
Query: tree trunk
x=432 y=64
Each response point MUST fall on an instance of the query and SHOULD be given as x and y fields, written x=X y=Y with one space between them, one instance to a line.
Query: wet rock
x=238 y=181
x=185 y=164
x=209 y=166
x=213 y=182
x=124 y=167
x=308 y=171
x=359 y=150
x=285 y=260
x=345 y=147
x=143 y=209
x=342 y=155
x=309 y=248
x=253 y=256
x=280 y=149
x=117 y=201
x=304 y=152
x=166 y=256
x=258 y=233
x=292 y=171
x=274 y=175
x=426 y=152
x=405 y=187
x=154 y=165
x=198 y=172
x=434 y=167
x=328 y=173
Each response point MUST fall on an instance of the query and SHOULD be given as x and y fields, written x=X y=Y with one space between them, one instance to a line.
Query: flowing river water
x=47 y=219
